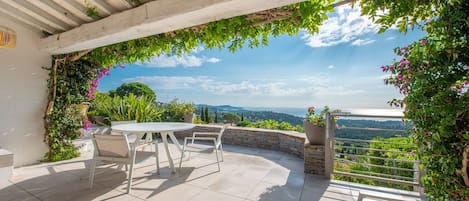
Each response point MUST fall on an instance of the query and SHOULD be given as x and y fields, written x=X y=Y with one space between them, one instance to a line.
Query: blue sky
x=338 y=67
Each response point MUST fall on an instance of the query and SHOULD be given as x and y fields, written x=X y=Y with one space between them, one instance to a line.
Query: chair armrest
x=200 y=138
x=205 y=133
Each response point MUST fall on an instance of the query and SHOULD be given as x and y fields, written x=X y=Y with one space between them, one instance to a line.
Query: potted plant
x=188 y=112
x=315 y=126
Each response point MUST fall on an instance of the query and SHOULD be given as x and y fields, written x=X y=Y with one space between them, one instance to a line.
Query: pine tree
x=242 y=116
x=216 y=118
x=206 y=115
x=202 y=115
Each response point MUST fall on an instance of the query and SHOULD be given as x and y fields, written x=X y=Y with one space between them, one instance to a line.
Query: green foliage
x=233 y=33
x=244 y=123
x=206 y=115
x=174 y=111
x=396 y=148
x=433 y=75
x=318 y=119
x=271 y=124
x=127 y=108
x=63 y=123
x=136 y=88
x=231 y=118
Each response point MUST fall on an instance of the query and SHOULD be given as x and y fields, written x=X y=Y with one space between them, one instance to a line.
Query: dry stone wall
x=286 y=141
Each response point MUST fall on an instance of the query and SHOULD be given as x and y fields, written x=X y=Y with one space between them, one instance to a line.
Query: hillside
x=345 y=124
x=255 y=116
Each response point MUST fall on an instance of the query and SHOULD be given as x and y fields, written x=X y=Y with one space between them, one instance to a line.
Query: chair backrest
x=115 y=146
x=222 y=130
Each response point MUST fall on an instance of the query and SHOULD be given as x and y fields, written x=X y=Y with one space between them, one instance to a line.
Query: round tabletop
x=152 y=127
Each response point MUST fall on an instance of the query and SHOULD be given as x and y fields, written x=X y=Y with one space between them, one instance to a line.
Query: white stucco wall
x=23 y=95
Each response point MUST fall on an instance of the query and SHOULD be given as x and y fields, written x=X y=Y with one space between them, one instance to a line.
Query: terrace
x=247 y=174
x=259 y=164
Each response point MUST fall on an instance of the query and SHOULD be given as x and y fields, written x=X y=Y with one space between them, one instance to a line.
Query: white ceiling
x=57 y=16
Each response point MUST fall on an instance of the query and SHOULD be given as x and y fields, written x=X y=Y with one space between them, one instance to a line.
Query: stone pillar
x=314 y=157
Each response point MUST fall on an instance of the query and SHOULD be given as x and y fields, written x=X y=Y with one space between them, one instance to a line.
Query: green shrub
x=244 y=123
x=174 y=111
x=127 y=108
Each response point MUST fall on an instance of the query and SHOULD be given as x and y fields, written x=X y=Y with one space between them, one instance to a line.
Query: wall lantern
x=7 y=37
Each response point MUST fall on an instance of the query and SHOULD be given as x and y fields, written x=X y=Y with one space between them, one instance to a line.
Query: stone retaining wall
x=286 y=141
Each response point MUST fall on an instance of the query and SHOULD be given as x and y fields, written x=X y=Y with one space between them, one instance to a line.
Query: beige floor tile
x=267 y=191
x=208 y=195
x=277 y=175
x=246 y=174
x=203 y=179
x=13 y=192
x=180 y=192
x=239 y=187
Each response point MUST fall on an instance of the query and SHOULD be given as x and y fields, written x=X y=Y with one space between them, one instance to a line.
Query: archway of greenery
x=432 y=75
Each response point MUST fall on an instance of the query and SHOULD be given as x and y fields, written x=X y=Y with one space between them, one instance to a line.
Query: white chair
x=215 y=137
x=116 y=149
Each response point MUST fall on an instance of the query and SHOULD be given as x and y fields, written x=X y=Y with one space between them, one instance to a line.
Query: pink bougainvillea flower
x=404 y=62
x=86 y=124
x=383 y=68
x=412 y=152
x=121 y=66
x=310 y=108
x=400 y=76
x=423 y=42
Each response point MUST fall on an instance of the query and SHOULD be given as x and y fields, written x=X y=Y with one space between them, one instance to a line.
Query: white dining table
x=164 y=128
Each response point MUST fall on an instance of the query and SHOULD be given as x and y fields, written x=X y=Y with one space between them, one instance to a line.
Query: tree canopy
x=136 y=88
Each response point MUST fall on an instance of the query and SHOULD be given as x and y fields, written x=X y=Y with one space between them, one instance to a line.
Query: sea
x=301 y=112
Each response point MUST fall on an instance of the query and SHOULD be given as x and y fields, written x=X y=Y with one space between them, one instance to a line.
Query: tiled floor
x=247 y=174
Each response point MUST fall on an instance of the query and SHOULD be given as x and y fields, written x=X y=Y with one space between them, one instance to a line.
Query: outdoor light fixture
x=7 y=37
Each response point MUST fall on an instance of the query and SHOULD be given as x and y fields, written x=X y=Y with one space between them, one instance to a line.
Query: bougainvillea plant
x=432 y=75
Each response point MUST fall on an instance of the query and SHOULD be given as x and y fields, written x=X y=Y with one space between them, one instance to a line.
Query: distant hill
x=389 y=127
x=255 y=116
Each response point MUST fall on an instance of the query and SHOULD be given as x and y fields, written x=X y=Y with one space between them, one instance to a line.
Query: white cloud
x=390 y=38
x=343 y=26
x=213 y=60
x=331 y=67
x=360 y=42
x=256 y=89
x=170 y=82
x=163 y=61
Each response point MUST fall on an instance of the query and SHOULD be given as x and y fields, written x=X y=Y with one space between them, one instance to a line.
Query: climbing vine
x=432 y=74
x=67 y=84
x=73 y=77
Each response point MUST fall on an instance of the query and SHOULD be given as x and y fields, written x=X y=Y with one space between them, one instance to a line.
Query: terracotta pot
x=316 y=135
x=188 y=118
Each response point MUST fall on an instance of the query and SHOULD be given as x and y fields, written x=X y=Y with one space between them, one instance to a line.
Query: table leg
x=164 y=137
x=175 y=140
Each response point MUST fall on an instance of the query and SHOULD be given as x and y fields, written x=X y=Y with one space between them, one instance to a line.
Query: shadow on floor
x=57 y=183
